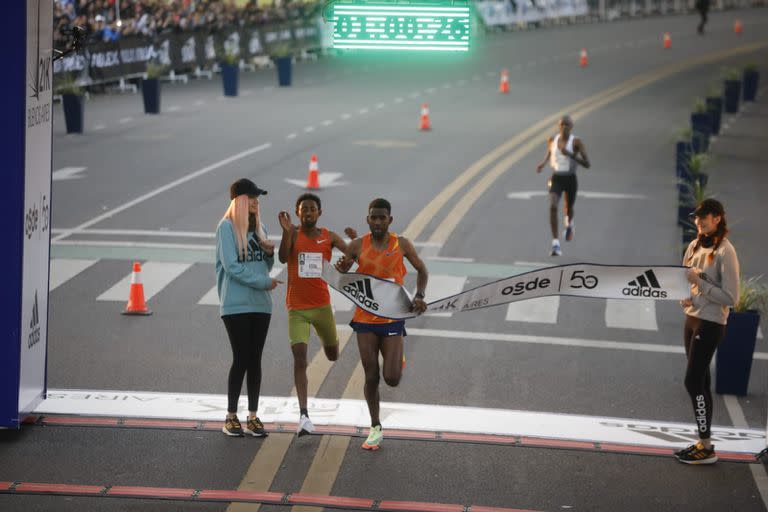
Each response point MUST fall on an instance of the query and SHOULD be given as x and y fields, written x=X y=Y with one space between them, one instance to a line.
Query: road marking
x=68 y=173
x=98 y=127
x=556 y=341
x=362 y=111
x=64 y=269
x=327 y=122
x=351 y=410
x=291 y=136
x=385 y=143
x=124 y=120
x=309 y=129
x=738 y=420
x=345 y=116
x=539 y=310
x=325 y=179
x=174 y=108
x=530 y=194
x=450 y=259
x=634 y=314
x=130 y=204
x=155 y=276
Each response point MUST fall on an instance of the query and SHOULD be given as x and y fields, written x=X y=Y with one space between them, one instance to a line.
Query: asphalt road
x=149 y=175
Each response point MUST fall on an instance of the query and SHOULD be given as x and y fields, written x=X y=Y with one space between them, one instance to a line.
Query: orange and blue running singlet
x=387 y=264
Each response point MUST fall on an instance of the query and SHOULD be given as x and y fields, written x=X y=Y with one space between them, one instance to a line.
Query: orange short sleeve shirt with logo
x=387 y=264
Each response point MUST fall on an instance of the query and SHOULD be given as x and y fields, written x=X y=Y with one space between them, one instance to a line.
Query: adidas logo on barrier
x=645 y=285
x=362 y=293
x=34 y=326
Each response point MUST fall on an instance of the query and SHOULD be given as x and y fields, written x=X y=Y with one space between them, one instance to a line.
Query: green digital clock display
x=401 y=27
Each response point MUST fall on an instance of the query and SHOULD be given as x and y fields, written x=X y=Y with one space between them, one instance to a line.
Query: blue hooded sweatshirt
x=242 y=285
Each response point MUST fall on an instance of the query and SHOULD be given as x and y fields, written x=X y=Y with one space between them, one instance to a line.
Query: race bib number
x=310 y=264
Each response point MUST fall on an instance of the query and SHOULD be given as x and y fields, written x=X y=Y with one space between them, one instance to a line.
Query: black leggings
x=247 y=335
x=701 y=339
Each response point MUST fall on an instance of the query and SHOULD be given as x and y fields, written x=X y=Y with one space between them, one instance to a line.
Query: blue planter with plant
x=229 y=78
x=701 y=125
x=715 y=109
x=733 y=361
x=283 y=65
x=150 y=91
x=731 y=92
x=751 y=78
x=74 y=112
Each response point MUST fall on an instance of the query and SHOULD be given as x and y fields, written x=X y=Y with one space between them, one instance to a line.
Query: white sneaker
x=305 y=426
x=556 y=251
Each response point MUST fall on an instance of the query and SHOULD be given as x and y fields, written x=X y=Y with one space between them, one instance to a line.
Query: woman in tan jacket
x=714 y=278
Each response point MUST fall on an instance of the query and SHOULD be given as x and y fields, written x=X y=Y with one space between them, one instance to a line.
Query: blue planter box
x=701 y=124
x=229 y=76
x=734 y=355
x=74 y=112
x=150 y=91
x=731 y=91
x=751 y=79
x=715 y=109
x=283 y=65
x=682 y=156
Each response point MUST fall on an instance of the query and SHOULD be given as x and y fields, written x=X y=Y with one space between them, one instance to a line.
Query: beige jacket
x=719 y=289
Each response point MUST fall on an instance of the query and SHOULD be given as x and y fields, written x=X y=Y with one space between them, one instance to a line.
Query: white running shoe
x=305 y=426
x=556 y=251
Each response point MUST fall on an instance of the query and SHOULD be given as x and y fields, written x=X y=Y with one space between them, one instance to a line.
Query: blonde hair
x=238 y=215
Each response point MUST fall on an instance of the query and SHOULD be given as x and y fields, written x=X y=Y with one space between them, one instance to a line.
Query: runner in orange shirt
x=380 y=254
x=309 y=303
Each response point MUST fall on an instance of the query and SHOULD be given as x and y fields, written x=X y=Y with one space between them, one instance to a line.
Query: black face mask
x=706 y=241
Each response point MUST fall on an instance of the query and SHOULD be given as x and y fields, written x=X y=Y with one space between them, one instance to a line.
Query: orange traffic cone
x=737 y=26
x=313 y=176
x=425 y=125
x=667 y=41
x=583 y=62
x=504 y=83
x=136 y=304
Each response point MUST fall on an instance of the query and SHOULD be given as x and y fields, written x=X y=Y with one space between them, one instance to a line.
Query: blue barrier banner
x=26 y=199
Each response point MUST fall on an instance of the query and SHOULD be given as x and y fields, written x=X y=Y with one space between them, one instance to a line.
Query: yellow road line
x=269 y=457
x=330 y=455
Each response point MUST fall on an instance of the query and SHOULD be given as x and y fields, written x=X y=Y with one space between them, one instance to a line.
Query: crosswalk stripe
x=63 y=269
x=631 y=314
x=539 y=310
x=211 y=297
x=443 y=286
x=155 y=275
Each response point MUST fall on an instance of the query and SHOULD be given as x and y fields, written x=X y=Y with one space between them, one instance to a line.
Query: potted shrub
x=701 y=124
x=150 y=88
x=692 y=191
x=734 y=354
x=714 y=103
x=282 y=56
x=731 y=91
x=750 y=77
x=73 y=102
x=230 y=73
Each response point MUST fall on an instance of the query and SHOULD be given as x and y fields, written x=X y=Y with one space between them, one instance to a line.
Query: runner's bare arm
x=338 y=242
x=409 y=251
x=350 y=255
x=580 y=154
x=546 y=157
x=289 y=234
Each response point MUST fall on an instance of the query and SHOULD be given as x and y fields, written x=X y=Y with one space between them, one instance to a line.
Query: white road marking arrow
x=68 y=173
x=326 y=179
x=530 y=194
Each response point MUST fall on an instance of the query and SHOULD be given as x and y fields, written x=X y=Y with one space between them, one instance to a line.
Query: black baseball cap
x=245 y=186
x=708 y=206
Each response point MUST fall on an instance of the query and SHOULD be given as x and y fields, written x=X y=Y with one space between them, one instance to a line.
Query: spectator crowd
x=151 y=17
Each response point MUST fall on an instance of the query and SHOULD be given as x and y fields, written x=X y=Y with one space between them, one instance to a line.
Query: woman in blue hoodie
x=244 y=257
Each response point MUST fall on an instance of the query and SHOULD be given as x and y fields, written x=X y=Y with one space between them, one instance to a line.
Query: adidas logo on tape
x=362 y=294
x=645 y=285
